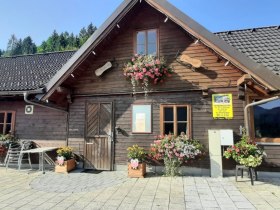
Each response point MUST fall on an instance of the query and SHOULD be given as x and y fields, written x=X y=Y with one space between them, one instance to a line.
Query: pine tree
x=28 y=46
x=90 y=29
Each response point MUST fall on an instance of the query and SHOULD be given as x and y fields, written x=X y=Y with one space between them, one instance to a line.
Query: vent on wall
x=29 y=109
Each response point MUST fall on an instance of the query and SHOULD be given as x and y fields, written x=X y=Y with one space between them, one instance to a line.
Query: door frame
x=112 y=127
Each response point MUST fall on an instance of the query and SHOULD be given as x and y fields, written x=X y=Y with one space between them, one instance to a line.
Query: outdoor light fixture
x=196 y=41
x=226 y=63
x=72 y=75
x=166 y=19
x=93 y=53
x=118 y=26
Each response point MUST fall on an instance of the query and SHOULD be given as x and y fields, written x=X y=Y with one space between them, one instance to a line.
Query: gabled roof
x=30 y=72
x=260 y=44
x=257 y=70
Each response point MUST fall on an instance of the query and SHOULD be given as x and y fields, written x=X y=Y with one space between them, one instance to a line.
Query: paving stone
x=113 y=190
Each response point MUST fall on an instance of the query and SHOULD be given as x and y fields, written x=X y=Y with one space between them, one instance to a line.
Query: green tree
x=42 y=48
x=62 y=42
x=83 y=36
x=91 y=29
x=28 y=46
x=12 y=45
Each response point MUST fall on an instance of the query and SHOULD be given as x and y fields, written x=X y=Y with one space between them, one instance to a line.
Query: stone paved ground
x=112 y=190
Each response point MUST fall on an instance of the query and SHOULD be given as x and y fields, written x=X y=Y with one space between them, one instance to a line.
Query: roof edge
x=88 y=46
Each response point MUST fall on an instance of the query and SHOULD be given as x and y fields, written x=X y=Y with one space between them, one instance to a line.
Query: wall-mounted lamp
x=166 y=19
x=93 y=53
x=118 y=26
x=72 y=75
x=226 y=64
x=196 y=41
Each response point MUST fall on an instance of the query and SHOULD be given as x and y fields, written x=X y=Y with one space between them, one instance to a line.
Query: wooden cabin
x=91 y=106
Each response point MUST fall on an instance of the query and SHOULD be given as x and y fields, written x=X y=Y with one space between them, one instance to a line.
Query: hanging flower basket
x=144 y=70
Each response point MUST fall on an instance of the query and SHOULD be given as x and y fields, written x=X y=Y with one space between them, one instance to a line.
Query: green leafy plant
x=245 y=152
x=143 y=70
x=66 y=152
x=6 y=139
x=136 y=152
x=174 y=151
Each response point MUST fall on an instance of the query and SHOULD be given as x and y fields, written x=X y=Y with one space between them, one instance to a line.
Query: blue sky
x=39 y=18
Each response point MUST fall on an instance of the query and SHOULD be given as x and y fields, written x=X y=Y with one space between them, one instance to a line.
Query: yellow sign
x=222 y=106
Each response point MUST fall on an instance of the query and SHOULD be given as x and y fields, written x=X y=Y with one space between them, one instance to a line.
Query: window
x=175 y=119
x=266 y=120
x=7 y=120
x=147 y=42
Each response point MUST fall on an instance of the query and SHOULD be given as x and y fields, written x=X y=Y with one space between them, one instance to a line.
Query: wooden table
x=41 y=151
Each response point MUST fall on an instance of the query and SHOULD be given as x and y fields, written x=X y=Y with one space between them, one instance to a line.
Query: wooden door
x=99 y=136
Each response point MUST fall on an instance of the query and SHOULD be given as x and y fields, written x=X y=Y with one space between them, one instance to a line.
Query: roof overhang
x=258 y=71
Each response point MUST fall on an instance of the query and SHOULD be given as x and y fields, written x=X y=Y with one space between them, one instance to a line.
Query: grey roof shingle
x=260 y=44
x=30 y=72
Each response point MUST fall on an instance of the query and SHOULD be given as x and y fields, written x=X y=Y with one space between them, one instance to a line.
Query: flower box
x=67 y=166
x=139 y=172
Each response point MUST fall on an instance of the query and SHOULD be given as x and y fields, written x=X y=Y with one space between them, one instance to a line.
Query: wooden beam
x=244 y=79
x=63 y=90
x=256 y=88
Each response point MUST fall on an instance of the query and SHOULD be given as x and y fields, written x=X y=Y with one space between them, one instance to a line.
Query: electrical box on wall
x=29 y=109
x=226 y=137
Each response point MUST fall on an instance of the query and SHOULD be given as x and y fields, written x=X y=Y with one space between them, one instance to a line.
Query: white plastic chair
x=15 y=155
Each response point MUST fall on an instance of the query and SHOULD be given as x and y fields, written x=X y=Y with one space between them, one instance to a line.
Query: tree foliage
x=55 y=42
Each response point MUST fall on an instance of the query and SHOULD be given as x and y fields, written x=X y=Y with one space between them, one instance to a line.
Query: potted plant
x=65 y=161
x=5 y=141
x=136 y=164
x=245 y=152
x=144 y=70
x=175 y=151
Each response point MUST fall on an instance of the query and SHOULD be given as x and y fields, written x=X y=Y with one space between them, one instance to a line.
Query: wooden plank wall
x=172 y=39
x=201 y=119
x=45 y=125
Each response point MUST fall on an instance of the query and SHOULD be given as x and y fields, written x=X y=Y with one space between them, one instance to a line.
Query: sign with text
x=222 y=106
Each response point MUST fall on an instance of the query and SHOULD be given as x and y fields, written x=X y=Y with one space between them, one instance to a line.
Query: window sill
x=268 y=141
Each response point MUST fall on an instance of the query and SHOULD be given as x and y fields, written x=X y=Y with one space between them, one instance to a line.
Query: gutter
x=38 y=91
x=254 y=104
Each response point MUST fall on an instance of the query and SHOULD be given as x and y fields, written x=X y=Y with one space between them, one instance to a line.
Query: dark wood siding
x=172 y=39
x=201 y=119
x=43 y=125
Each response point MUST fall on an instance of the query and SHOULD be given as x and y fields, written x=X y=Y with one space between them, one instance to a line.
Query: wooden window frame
x=146 y=39
x=250 y=99
x=175 y=121
x=5 y=121
x=151 y=119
